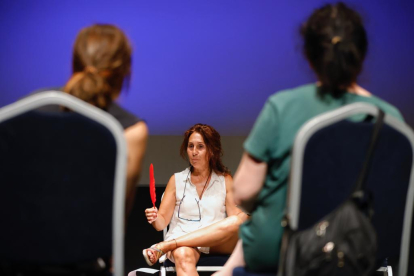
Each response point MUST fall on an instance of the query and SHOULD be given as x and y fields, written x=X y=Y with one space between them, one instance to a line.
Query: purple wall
x=200 y=61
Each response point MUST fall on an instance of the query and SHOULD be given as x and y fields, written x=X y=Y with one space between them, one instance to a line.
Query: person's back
x=335 y=46
x=101 y=66
x=291 y=108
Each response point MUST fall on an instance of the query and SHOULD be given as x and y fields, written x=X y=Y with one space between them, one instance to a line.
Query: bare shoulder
x=170 y=189
x=137 y=133
x=228 y=181
x=172 y=179
x=228 y=178
x=171 y=183
x=356 y=89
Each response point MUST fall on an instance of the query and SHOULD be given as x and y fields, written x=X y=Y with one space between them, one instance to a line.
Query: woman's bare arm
x=231 y=207
x=248 y=181
x=167 y=206
x=136 y=137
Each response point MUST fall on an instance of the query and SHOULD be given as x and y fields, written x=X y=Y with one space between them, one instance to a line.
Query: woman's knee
x=185 y=257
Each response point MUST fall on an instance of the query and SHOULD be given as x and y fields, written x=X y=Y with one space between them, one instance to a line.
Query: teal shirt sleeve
x=263 y=137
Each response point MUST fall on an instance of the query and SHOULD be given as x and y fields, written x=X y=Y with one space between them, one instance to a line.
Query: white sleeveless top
x=212 y=205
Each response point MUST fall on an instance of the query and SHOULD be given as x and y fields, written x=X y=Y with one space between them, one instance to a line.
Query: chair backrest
x=327 y=157
x=62 y=183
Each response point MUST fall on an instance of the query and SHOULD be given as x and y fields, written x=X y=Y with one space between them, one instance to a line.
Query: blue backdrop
x=214 y=62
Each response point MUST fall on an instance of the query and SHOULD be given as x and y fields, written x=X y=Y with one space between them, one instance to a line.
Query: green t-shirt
x=271 y=141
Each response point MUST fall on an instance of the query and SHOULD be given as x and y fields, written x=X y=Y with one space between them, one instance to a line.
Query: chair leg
x=389 y=271
x=383 y=271
x=163 y=271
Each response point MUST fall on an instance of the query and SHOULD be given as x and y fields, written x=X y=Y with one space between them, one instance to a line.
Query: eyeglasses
x=181 y=201
x=198 y=205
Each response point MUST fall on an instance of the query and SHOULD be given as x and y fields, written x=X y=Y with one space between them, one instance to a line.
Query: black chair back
x=62 y=185
x=56 y=196
x=329 y=152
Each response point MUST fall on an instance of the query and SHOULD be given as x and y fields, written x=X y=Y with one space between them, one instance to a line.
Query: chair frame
x=323 y=120
x=59 y=98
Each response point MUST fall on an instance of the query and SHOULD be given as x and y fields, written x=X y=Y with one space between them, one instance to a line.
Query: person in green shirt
x=335 y=44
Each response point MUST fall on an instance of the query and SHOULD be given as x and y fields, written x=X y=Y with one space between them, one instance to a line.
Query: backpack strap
x=360 y=186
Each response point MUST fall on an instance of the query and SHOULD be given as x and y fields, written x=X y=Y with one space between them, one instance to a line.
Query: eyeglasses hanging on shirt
x=195 y=217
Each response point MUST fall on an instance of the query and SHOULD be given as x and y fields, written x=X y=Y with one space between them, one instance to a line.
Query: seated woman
x=195 y=205
x=335 y=46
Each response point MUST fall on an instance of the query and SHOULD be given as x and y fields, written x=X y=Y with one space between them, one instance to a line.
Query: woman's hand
x=151 y=214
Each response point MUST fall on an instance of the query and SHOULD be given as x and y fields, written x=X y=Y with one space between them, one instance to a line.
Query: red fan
x=152 y=185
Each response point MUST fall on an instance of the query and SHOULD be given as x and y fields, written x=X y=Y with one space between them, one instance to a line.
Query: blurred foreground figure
x=335 y=45
x=101 y=66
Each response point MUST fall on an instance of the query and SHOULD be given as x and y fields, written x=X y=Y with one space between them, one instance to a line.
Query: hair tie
x=335 y=40
x=91 y=69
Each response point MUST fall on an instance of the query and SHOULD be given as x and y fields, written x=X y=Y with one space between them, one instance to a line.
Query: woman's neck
x=358 y=90
x=202 y=173
x=354 y=89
